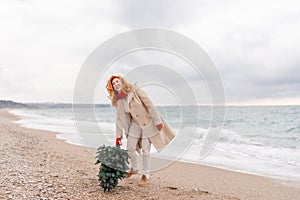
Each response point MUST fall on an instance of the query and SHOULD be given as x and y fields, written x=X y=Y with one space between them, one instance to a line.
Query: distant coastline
x=13 y=104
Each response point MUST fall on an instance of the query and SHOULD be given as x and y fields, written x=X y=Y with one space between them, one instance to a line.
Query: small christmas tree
x=114 y=164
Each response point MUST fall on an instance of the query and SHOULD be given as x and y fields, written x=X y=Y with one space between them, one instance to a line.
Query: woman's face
x=117 y=84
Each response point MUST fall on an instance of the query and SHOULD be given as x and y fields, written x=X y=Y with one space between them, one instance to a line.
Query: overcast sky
x=255 y=45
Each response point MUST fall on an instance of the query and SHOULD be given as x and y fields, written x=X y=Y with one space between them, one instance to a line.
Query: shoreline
x=293 y=181
x=56 y=169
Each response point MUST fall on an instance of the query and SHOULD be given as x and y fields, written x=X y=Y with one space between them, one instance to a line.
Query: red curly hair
x=126 y=88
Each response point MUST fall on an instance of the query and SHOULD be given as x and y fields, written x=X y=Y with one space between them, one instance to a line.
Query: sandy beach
x=36 y=165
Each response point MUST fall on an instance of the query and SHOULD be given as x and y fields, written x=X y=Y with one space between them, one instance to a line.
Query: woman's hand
x=159 y=126
x=118 y=142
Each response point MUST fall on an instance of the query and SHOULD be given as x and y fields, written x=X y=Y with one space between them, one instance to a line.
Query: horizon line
x=226 y=104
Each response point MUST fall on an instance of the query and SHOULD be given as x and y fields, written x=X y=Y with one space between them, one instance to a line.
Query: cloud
x=44 y=43
x=254 y=48
x=156 y=13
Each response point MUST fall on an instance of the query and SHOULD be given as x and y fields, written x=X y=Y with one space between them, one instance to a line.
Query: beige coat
x=138 y=107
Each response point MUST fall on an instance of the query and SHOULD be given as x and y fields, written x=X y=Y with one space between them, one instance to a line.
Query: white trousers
x=135 y=133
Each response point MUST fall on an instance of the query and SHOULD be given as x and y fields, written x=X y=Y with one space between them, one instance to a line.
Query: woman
x=142 y=124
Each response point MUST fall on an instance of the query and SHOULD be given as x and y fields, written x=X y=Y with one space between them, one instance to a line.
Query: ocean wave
x=293 y=130
x=252 y=142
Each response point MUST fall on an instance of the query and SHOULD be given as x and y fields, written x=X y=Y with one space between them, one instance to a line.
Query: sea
x=261 y=140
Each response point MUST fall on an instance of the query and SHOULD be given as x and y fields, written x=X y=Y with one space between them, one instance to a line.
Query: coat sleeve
x=119 y=130
x=150 y=106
